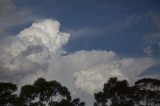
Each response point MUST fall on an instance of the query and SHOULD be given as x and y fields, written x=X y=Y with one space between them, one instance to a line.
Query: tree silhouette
x=6 y=93
x=148 y=92
x=145 y=92
x=47 y=93
x=28 y=94
x=115 y=93
x=51 y=91
x=77 y=102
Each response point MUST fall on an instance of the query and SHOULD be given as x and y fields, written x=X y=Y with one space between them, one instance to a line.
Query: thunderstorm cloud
x=37 y=51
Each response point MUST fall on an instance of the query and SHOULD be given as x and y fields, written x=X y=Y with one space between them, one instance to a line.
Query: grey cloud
x=11 y=16
x=83 y=70
x=111 y=28
x=152 y=40
x=32 y=49
x=156 y=20
x=6 y=7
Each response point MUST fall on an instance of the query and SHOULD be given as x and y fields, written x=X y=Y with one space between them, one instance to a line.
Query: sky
x=80 y=43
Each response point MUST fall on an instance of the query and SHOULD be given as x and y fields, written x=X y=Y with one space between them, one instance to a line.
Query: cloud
x=29 y=51
x=102 y=65
x=87 y=71
x=152 y=40
x=152 y=50
x=12 y=15
x=91 y=80
x=37 y=51
x=148 y=51
x=6 y=6
x=109 y=29
x=45 y=33
x=156 y=20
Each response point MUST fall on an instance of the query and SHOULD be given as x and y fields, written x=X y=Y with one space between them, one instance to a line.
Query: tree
x=51 y=91
x=41 y=93
x=145 y=92
x=74 y=102
x=77 y=102
x=6 y=93
x=115 y=93
x=47 y=93
x=148 y=92
x=28 y=94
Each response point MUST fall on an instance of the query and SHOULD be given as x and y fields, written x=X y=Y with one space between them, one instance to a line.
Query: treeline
x=41 y=93
x=145 y=92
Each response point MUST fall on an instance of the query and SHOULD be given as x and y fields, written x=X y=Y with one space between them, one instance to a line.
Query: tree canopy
x=6 y=93
x=145 y=92
x=41 y=93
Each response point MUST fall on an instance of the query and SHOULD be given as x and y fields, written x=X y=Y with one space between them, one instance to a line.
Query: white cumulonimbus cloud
x=101 y=65
x=45 y=33
x=36 y=52
x=89 y=70
x=30 y=50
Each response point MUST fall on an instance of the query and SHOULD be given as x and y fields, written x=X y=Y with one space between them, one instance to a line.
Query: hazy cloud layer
x=152 y=40
x=6 y=7
x=12 y=16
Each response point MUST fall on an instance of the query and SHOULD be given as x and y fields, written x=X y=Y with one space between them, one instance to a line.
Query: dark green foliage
x=51 y=91
x=145 y=92
x=148 y=83
x=6 y=93
x=101 y=99
x=28 y=94
x=41 y=93
x=148 y=91
x=77 y=102
x=117 y=92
